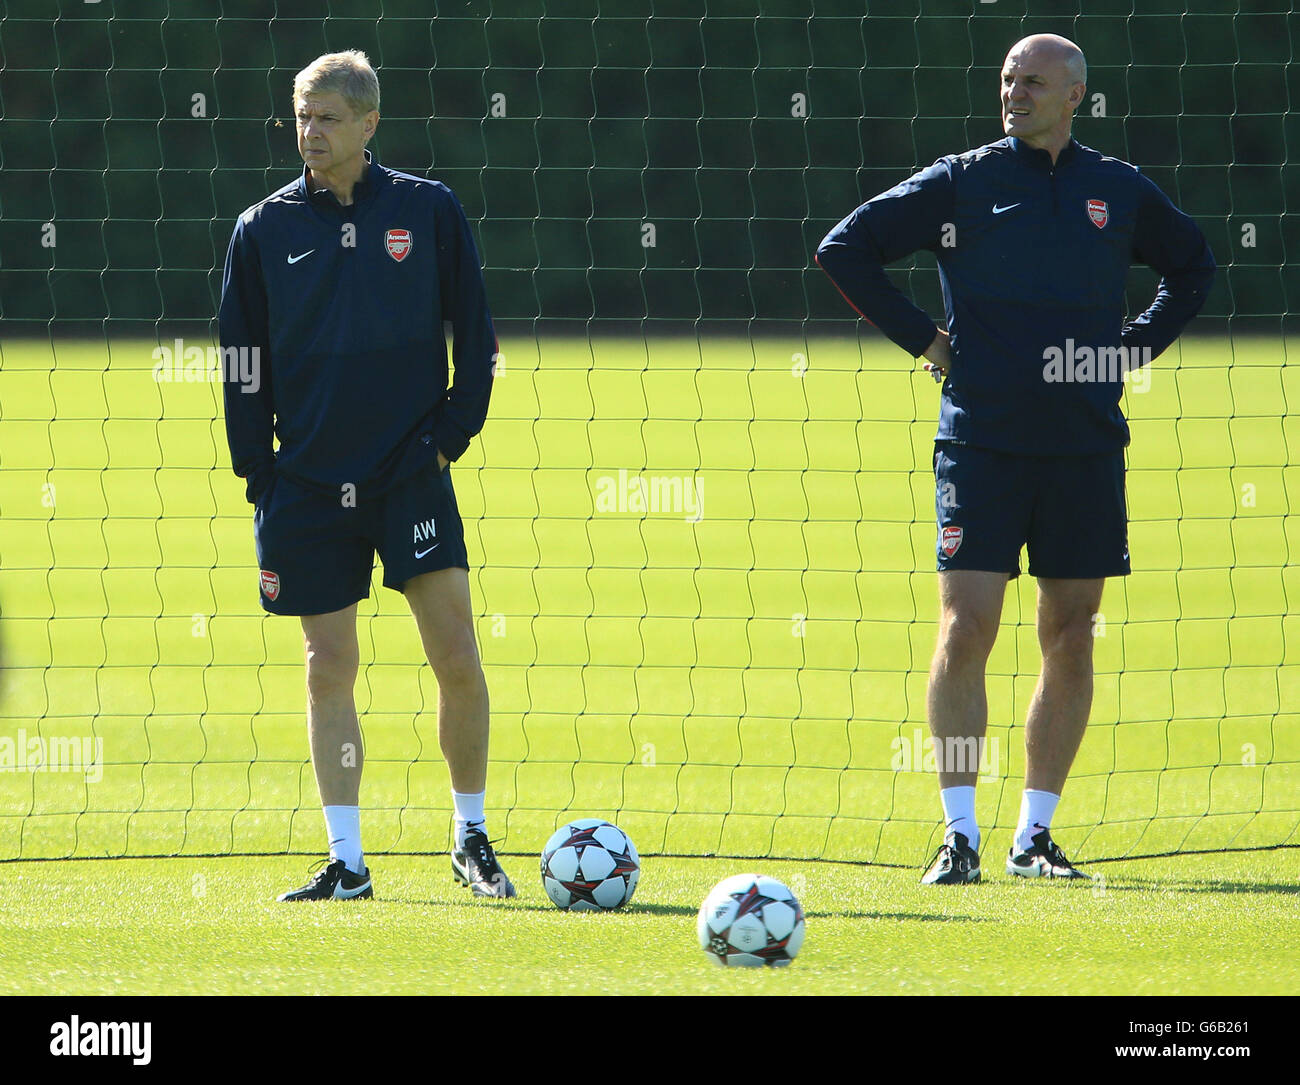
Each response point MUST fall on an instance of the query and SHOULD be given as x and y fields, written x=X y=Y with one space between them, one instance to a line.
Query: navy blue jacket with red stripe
x=346 y=307
x=1033 y=258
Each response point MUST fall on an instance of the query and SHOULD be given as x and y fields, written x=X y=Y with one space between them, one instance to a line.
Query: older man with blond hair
x=340 y=283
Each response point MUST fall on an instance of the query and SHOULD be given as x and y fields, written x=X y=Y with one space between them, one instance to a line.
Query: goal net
x=700 y=516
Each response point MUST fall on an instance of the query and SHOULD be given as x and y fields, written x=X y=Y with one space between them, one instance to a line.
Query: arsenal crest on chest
x=398 y=243
x=1098 y=212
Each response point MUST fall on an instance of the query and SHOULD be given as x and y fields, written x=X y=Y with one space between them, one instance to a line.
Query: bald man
x=1034 y=235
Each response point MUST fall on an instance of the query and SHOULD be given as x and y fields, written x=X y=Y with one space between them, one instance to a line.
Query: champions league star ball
x=590 y=866
x=750 y=919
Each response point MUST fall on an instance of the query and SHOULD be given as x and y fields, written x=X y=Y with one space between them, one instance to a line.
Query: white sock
x=343 y=823
x=959 y=813
x=469 y=814
x=1036 y=810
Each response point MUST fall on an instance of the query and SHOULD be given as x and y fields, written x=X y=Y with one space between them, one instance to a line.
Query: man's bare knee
x=1067 y=641
x=457 y=665
x=967 y=637
x=970 y=613
x=1066 y=613
x=331 y=669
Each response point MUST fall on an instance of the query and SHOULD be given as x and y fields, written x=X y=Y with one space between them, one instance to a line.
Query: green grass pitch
x=737 y=669
x=193 y=926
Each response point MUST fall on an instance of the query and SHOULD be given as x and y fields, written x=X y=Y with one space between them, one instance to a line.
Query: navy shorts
x=316 y=551
x=1069 y=510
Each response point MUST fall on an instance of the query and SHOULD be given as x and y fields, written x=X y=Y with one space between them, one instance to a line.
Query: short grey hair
x=348 y=73
x=1062 y=48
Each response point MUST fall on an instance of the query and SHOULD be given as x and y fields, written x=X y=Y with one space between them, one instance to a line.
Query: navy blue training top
x=1033 y=259
x=346 y=306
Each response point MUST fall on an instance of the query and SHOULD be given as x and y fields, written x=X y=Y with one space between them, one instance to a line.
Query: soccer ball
x=750 y=919
x=590 y=866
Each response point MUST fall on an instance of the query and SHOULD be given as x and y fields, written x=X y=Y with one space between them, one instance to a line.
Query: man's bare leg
x=970 y=611
x=1062 y=701
x=1058 y=713
x=330 y=644
x=337 y=755
x=440 y=602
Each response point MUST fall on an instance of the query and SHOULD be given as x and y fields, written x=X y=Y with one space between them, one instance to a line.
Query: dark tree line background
x=686 y=116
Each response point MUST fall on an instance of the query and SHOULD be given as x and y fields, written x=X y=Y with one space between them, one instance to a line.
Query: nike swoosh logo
x=420 y=553
x=998 y=210
x=295 y=259
x=345 y=894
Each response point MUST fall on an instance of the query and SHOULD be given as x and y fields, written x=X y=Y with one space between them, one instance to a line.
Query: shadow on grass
x=514 y=905
x=517 y=905
x=916 y=917
x=635 y=909
x=1208 y=886
x=663 y=909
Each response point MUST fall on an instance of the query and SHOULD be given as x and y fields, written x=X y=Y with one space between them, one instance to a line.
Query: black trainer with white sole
x=956 y=863
x=1043 y=859
x=475 y=865
x=335 y=882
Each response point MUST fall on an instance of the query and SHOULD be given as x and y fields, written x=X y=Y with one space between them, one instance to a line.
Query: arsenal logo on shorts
x=1098 y=212
x=270 y=584
x=949 y=540
x=398 y=243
